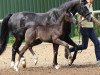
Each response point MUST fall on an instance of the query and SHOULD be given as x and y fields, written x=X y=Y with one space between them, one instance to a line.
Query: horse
x=46 y=33
x=18 y=23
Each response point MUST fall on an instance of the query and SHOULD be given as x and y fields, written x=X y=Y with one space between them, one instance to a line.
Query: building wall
x=96 y=4
x=11 y=6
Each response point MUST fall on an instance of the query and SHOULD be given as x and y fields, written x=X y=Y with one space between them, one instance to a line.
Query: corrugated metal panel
x=96 y=4
x=11 y=6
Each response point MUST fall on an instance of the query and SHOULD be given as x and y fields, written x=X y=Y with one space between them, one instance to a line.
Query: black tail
x=4 y=36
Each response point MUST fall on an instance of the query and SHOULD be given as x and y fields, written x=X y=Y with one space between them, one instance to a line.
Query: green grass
x=76 y=38
x=11 y=40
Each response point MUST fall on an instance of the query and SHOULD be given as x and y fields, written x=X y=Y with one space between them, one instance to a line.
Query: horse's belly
x=44 y=37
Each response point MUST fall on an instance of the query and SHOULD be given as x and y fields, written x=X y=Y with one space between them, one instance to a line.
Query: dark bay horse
x=18 y=23
x=46 y=33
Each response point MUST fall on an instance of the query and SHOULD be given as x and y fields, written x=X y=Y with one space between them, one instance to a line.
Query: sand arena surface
x=83 y=65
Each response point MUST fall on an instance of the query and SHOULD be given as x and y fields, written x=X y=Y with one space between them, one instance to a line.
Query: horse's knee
x=15 y=49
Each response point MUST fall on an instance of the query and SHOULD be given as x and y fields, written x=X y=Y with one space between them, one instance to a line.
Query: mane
x=53 y=9
x=54 y=12
x=69 y=4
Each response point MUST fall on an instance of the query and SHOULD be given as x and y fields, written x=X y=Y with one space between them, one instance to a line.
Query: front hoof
x=57 y=66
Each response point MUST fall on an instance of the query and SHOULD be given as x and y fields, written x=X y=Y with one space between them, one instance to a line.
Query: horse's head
x=83 y=10
x=69 y=17
x=77 y=6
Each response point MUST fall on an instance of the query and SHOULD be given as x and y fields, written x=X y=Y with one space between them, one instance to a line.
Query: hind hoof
x=23 y=62
x=35 y=59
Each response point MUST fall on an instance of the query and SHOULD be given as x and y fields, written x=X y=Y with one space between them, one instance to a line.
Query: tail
x=4 y=36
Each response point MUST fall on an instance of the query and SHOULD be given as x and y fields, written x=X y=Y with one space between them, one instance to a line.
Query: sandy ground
x=83 y=65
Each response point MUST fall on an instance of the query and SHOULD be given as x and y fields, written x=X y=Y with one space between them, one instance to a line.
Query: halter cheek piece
x=88 y=17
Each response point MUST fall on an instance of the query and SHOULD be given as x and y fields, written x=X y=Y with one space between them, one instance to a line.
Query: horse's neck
x=61 y=19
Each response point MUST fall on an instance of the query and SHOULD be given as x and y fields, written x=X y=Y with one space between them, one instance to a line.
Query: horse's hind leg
x=15 y=50
x=63 y=43
x=20 y=55
x=55 y=50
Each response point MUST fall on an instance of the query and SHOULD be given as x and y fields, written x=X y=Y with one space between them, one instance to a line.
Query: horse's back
x=20 y=15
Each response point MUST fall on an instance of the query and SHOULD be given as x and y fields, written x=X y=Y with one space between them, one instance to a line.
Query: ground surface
x=83 y=65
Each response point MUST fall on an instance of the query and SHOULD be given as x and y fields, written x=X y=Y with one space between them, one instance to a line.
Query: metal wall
x=96 y=5
x=11 y=6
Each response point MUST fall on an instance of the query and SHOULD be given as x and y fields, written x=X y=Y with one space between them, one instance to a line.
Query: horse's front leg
x=55 y=50
x=63 y=43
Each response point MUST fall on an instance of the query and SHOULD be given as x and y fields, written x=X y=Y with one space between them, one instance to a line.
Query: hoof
x=70 y=60
x=16 y=68
x=24 y=65
x=35 y=59
x=23 y=62
x=57 y=66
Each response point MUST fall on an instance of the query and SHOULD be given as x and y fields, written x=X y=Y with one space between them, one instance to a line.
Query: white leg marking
x=16 y=66
x=35 y=59
x=12 y=64
x=57 y=66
